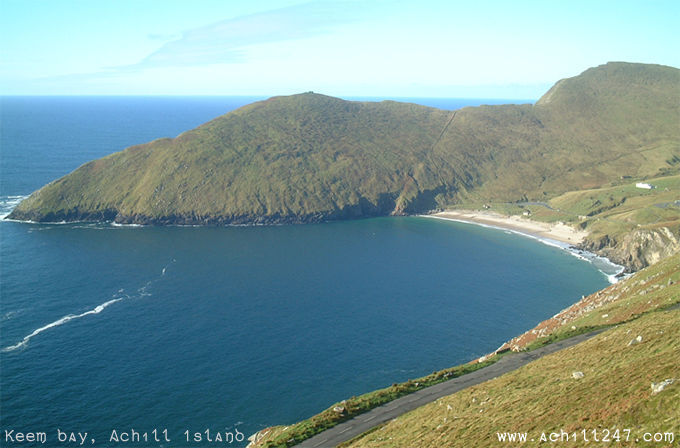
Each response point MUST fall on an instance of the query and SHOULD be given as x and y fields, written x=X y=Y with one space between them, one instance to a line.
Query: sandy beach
x=559 y=231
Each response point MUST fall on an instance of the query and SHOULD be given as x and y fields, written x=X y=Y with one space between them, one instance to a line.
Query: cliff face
x=637 y=249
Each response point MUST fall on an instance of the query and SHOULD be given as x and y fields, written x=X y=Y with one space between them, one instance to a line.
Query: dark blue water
x=106 y=327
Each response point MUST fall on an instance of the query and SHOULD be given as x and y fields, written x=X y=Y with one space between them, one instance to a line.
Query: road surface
x=364 y=422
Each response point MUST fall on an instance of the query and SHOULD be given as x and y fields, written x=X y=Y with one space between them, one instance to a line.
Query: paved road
x=363 y=422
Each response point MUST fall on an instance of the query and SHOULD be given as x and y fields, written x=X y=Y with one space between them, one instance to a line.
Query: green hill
x=301 y=158
x=310 y=157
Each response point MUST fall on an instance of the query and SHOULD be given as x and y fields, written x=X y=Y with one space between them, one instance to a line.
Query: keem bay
x=233 y=329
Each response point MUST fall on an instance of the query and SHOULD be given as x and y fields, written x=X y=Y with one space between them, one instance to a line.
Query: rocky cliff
x=637 y=249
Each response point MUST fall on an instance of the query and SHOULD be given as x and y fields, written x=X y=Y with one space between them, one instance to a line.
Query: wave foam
x=117 y=224
x=608 y=268
x=98 y=309
x=10 y=315
x=141 y=292
x=7 y=204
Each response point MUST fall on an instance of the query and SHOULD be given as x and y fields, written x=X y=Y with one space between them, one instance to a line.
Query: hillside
x=615 y=392
x=544 y=396
x=632 y=226
x=310 y=157
x=302 y=158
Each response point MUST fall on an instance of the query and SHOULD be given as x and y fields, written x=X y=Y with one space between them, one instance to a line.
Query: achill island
x=595 y=163
x=574 y=157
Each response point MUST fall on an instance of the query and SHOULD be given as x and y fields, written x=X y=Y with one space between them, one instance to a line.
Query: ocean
x=110 y=328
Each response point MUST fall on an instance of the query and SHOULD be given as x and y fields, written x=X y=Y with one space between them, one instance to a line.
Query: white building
x=644 y=185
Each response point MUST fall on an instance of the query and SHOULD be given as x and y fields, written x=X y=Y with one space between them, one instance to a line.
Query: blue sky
x=427 y=48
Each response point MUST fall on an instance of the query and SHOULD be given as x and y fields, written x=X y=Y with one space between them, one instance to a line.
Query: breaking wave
x=119 y=296
x=98 y=309
x=608 y=268
x=7 y=204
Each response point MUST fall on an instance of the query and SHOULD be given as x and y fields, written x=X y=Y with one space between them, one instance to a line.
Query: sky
x=394 y=48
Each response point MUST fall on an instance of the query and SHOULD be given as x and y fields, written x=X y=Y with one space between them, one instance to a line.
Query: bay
x=106 y=327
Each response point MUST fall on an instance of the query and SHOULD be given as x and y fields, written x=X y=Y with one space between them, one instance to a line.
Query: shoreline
x=560 y=232
x=558 y=235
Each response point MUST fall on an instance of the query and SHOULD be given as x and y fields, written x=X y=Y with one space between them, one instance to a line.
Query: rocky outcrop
x=635 y=341
x=659 y=387
x=636 y=249
x=256 y=438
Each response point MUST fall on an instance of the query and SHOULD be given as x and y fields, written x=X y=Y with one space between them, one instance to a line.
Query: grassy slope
x=619 y=203
x=282 y=436
x=629 y=225
x=287 y=157
x=613 y=215
x=645 y=293
x=654 y=288
x=311 y=157
x=613 y=120
x=543 y=396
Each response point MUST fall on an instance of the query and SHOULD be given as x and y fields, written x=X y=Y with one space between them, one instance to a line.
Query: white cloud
x=226 y=41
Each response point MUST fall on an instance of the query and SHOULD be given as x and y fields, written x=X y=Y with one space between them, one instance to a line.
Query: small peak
x=304 y=95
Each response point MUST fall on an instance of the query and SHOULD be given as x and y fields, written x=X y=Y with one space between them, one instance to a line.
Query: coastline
x=559 y=235
x=560 y=232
